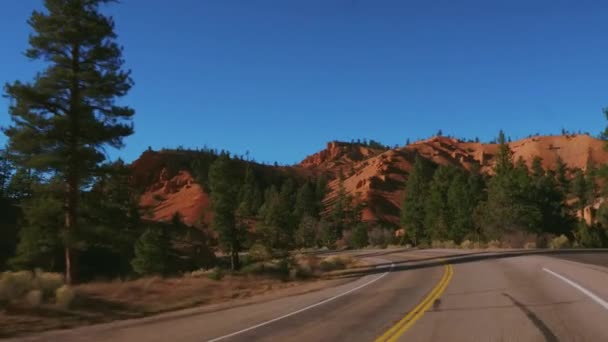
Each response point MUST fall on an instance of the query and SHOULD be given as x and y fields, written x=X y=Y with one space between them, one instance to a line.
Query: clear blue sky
x=280 y=78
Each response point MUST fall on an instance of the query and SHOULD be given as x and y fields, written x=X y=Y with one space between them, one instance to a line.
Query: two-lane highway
x=430 y=295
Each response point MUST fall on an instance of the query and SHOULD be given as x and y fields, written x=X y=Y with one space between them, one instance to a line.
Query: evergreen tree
x=151 y=253
x=250 y=196
x=359 y=237
x=508 y=208
x=306 y=203
x=306 y=235
x=64 y=118
x=580 y=190
x=5 y=172
x=39 y=234
x=561 y=171
x=438 y=216
x=460 y=203
x=223 y=183
x=414 y=199
x=110 y=224
x=320 y=192
x=277 y=225
x=341 y=211
x=537 y=168
x=504 y=156
x=21 y=184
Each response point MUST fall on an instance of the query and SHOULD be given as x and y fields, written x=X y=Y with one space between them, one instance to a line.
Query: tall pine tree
x=63 y=118
x=414 y=198
x=224 y=203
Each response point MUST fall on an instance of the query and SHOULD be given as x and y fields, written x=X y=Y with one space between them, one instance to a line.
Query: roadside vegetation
x=516 y=207
x=75 y=247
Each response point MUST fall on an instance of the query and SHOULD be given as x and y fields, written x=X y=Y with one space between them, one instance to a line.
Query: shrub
x=359 y=237
x=48 y=282
x=559 y=242
x=494 y=244
x=14 y=285
x=308 y=262
x=530 y=245
x=589 y=236
x=333 y=263
x=64 y=296
x=443 y=244
x=216 y=274
x=34 y=298
x=259 y=252
x=467 y=244
x=380 y=237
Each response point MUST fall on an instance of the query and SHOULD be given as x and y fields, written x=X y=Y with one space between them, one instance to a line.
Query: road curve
x=410 y=296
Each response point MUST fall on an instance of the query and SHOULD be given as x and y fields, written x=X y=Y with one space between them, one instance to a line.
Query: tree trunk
x=72 y=169
x=70 y=227
x=234 y=260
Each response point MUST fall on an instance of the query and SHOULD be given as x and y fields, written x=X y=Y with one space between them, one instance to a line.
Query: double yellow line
x=406 y=322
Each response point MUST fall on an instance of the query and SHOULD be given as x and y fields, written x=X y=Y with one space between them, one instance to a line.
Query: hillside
x=377 y=176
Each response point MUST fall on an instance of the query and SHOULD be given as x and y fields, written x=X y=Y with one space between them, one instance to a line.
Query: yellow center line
x=406 y=322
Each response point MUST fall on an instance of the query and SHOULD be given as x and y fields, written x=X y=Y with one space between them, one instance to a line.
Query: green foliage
x=250 y=196
x=151 y=253
x=439 y=215
x=590 y=236
x=224 y=186
x=21 y=184
x=259 y=252
x=64 y=119
x=40 y=242
x=380 y=237
x=359 y=237
x=559 y=242
x=307 y=233
x=216 y=274
x=64 y=296
x=306 y=203
x=277 y=226
x=37 y=285
x=414 y=201
x=509 y=207
x=580 y=189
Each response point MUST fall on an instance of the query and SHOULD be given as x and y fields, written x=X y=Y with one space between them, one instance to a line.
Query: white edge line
x=302 y=309
x=589 y=294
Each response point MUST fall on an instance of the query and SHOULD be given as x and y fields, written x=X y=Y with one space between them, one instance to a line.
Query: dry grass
x=104 y=301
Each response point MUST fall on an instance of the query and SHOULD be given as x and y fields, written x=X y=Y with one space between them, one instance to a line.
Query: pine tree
x=504 y=156
x=5 y=172
x=249 y=196
x=360 y=238
x=151 y=253
x=537 y=168
x=341 y=210
x=21 y=184
x=305 y=202
x=414 y=199
x=561 y=171
x=438 y=216
x=307 y=233
x=110 y=224
x=223 y=183
x=64 y=118
x=39 y=243
x=460 y=204
x=580 y=190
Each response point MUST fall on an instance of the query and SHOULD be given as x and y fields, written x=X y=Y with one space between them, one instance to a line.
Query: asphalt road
x=409 y=296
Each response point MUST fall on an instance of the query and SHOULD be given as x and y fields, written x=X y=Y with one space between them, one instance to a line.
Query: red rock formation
x=377 y=175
